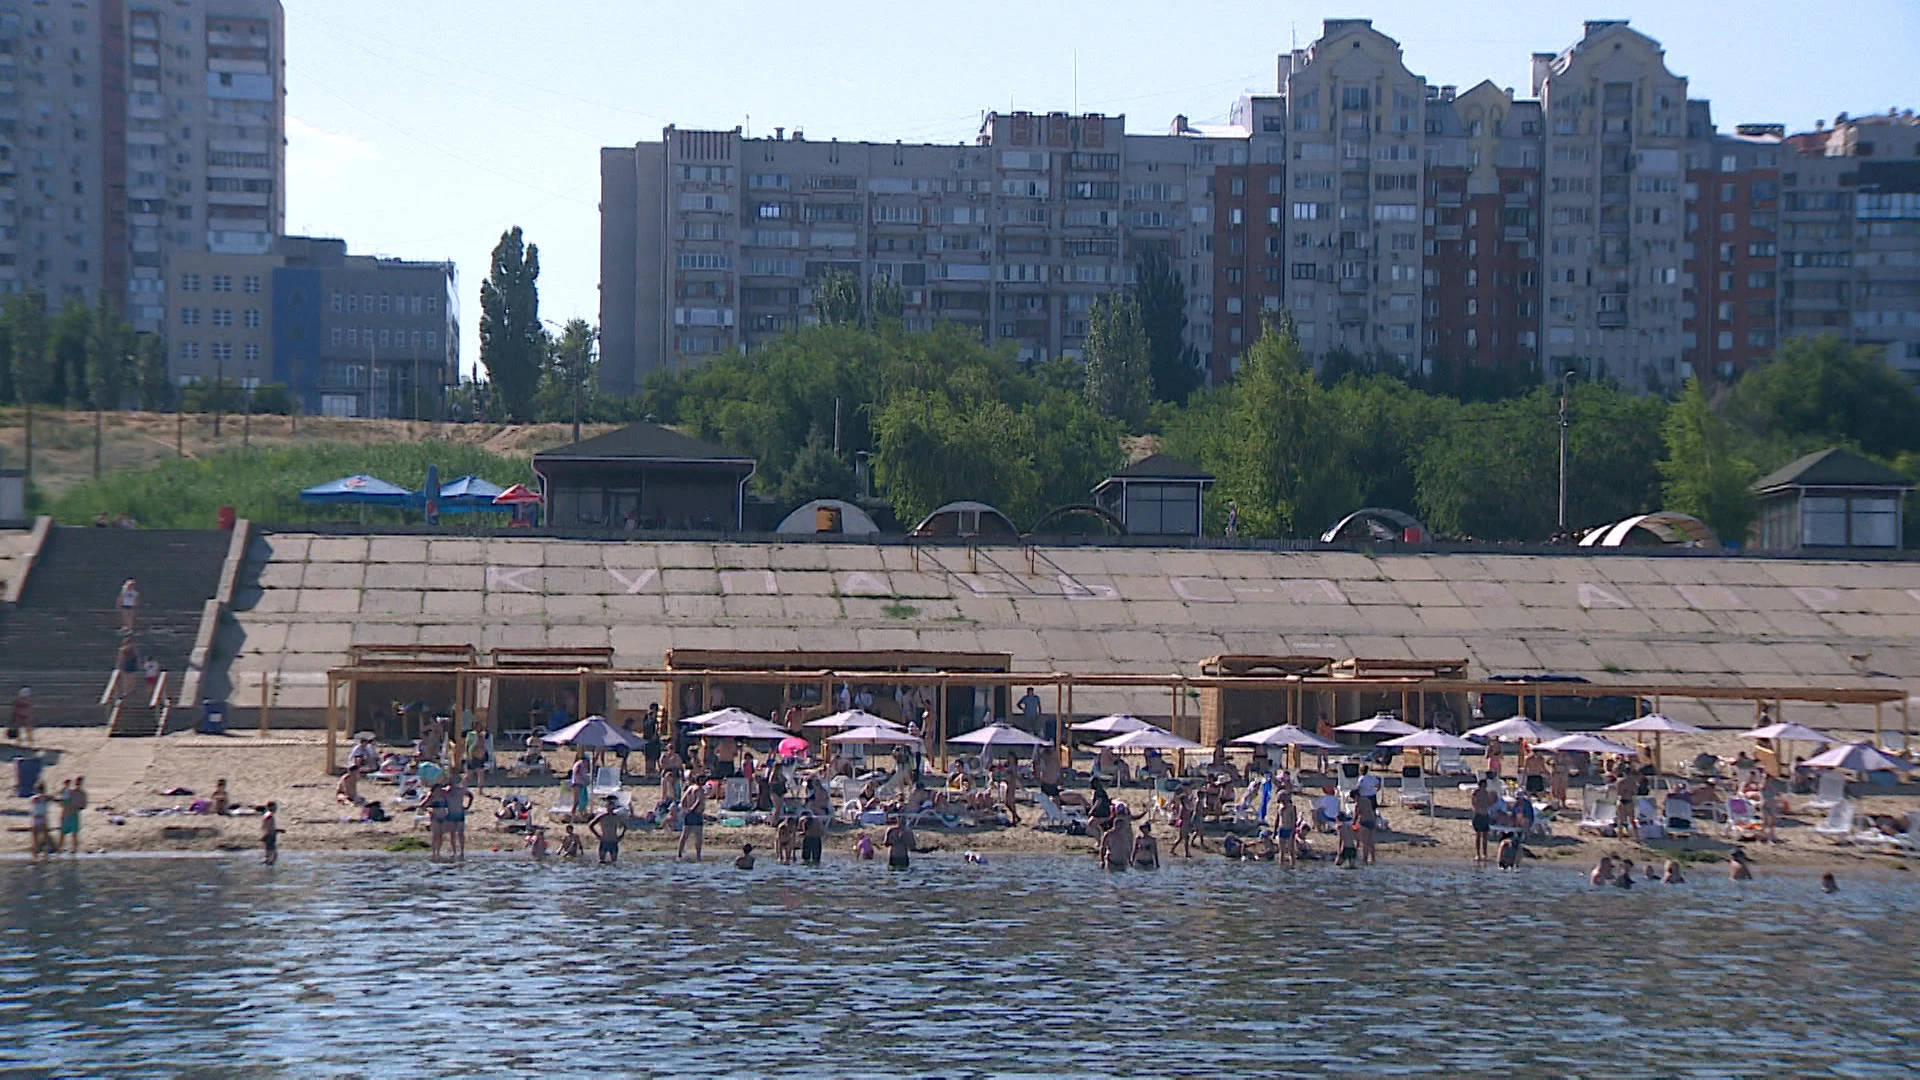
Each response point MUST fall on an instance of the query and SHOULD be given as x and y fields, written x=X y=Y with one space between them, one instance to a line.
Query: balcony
x=1612 y=320
x=1517 y=232
x=1353 y=315
x=1353 y=286
x=1447 y=199
x=1518 y=198
x=1447 y=232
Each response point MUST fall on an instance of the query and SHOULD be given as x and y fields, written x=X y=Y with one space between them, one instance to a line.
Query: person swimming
x=1625 y=880
x=1509 y=856
x=1602 y=871
x=1828 y=884
x=745 y=859
x=1672 y=875
x=1738 y=869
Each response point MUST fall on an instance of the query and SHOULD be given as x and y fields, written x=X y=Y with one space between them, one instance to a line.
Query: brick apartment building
x=1601 y=223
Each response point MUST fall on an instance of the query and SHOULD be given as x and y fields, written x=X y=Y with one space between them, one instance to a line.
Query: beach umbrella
x=430 y=773
x=852 y=718
x=728 y=715
x=792 y=746
x=1150 y=738
x=1117 y=724
x=1380 y=724
x=470 y=493
x=522 y=502
x=994 y=736
x=874 y=735
x=752 y=728
x=1287 y=735
x=1788 y=733
x=358 y=489
x=1586 y=744
x=1516 y=727
x=1659 y=725
x=594 y=733
x=1431 y=739
x=1856 y=757
x=430 y=495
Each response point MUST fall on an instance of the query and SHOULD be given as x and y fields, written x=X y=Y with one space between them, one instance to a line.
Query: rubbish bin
x=225 y=518
x=27 y=772
x=213 y=717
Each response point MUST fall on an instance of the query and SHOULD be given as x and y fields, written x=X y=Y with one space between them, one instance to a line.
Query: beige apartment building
x=132 y=131
x=1600 y=225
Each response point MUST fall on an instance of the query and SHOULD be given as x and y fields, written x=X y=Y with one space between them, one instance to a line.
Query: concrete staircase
x=62 y=637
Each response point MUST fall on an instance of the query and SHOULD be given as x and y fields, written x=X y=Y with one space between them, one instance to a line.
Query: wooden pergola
x=1299 y=688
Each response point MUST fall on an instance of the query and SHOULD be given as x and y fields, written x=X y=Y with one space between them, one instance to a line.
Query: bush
x=265 y=485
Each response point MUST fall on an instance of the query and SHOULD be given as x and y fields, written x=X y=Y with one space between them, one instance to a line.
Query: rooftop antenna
x=747 y=132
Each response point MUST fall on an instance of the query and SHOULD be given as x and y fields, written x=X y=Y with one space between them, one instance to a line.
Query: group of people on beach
x=70 y=801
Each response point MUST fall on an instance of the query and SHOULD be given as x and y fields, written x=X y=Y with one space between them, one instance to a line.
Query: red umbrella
x=517 y=495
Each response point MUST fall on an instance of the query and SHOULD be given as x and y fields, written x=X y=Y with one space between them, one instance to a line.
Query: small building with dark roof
x=643 y=476
x=1831 y=499
x=1156 y=496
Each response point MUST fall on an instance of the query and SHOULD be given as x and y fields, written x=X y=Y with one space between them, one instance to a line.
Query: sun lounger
x=1647 y=822
x=1449 y=763
x=1839 y=823
x=1598 y=813
x=1907 y=843
x=606 y=782
x=1052 y=815
x=1414 y=792
x=1741 y=816
x=736 y=794
x=1543 y=815
x=1679 y=817
x=1831 y=792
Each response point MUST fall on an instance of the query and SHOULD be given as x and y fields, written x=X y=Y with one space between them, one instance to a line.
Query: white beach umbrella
x=1517 y=727
x=852 y=718
x=593 y=733
x=1788 y=733
x=1381 y=724
x=1431 y=739
x=1117 y=724
x=994 y=736
x=1657 y=724
x=1287 y=735
x=752 y=728
x=1856 y=757
x=874 y=735
x=1586 y=744
x=1151 y=738
x=728 y=715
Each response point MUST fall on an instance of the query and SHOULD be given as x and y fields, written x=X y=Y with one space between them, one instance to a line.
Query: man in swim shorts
x=899 y=844
x=693 y=816
x=609 y=828
x=1482 y=818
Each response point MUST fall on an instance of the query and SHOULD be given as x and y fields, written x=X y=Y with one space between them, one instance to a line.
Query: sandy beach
x=128 y=776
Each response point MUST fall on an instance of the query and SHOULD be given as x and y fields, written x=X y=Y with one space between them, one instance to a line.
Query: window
x=1238 y=185
x=251 y=353
x=251 y=319
x=336 y=300
x=1306 y=211
x=1763 y=249
x=353 y=303
x=250 y=284
x=189 y=282
x=220 y=350
x=1163 y=509
x=189 y=350
x=386 y=303
x=1233 y=275
x=432 y=340
x=1304 y=271
x=221 y=317
x=189 y=316
x=1355 y=97
x=222 y=283
x=334 y=338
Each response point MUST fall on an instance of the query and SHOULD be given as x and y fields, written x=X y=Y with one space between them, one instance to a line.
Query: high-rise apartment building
x=1601 y=225
x=131 y=130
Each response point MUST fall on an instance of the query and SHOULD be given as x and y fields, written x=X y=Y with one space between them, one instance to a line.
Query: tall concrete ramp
x=1613 y=617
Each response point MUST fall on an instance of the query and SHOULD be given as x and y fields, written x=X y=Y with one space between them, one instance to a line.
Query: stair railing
x=111 y=693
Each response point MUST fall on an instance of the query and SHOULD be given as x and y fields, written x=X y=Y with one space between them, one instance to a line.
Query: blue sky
x=422 y=128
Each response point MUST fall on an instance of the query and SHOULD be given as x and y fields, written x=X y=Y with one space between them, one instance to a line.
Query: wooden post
x=1876 y=724
x=582 y=713
x=1906 y=724
x=940 y=723
x=333 y=721
x=1059 y=720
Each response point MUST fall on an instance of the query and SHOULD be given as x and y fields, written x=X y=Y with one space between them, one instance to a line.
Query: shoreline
x=127 y=775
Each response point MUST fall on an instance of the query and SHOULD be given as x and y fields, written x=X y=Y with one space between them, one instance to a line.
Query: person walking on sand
x=693 y=820
x=1482 y=818
x=129 y=604
x=270 y=833
x=474 y=757
x=73 y=799
x=20 y=720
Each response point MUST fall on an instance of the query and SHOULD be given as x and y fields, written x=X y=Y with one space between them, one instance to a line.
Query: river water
x=1026 y=967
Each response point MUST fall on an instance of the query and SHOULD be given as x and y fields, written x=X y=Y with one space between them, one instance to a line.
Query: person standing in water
x=1146 y=850
x=608 y=828
x=270 y=831
x=899 y=844
x=1482 y=819
x=72 y=801
x=693 y=817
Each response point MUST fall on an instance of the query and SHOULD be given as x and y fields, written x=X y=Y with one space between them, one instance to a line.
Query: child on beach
x=537 y=844
x=863 y=848
x=1738 y=869
x=745 y=860
x=570 y=844
x=1289 y=833
x=1671 y=876
x=786 y=839
x=270 y=831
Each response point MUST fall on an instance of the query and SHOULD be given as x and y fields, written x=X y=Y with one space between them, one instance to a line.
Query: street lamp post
x=1561 y=533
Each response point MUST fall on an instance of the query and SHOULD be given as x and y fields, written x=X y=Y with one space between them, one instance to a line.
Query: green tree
x=1162 y=296
x=1705 y=474
x=1825 y=391
x=513 y=344
x=29 y=334
x=1285 y=463
x=816 y=473
x=109 y=357
x=1494 y=473
x=1117 y=359
x=836 y=299
x=887 y=301
x=569 y=375
x=935 y=449
x=67 y=350
x=151 y=376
